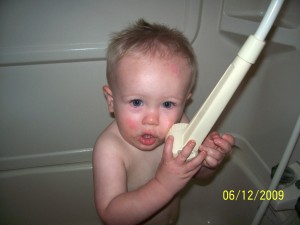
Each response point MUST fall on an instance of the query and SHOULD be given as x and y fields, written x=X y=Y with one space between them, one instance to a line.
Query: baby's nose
x=151 y=118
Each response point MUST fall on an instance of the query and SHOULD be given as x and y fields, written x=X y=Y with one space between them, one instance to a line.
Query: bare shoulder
x=109 y=143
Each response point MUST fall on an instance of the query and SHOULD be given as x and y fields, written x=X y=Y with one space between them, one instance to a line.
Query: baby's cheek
x=167 y=124
x=132 y=124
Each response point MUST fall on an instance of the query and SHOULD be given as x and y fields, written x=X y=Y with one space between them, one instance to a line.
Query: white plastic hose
x=268 y=20
x=279 y=171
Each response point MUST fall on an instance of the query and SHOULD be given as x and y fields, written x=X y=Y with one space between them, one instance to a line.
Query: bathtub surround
x=52 y=68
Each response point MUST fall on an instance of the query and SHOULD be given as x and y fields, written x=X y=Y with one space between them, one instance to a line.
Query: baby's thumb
x=167 y=152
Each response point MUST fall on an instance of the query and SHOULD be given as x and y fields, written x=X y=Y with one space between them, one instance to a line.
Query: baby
x=151 y=70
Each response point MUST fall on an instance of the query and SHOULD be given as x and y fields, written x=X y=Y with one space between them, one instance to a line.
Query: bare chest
x=142 y=168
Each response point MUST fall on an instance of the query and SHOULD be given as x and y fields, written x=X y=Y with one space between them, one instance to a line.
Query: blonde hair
x=146 y=38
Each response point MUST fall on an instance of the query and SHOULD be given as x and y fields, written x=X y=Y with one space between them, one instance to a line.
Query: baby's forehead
x=178 y=60
x=137 y=64
x=176 y=64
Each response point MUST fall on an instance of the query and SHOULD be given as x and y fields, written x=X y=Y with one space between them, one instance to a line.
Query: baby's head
x=151 y=70
x=144 y=39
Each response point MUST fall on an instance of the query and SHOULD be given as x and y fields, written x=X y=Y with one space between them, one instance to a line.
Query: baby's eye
x=168 y=104
x=136 y=102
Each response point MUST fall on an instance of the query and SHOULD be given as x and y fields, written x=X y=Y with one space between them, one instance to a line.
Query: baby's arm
x=116 y=205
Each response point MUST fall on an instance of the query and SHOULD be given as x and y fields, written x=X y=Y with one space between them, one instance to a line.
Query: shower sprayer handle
x=212 y=108
x=177 y=131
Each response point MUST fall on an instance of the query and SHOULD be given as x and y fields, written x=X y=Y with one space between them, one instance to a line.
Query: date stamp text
x=252 y=195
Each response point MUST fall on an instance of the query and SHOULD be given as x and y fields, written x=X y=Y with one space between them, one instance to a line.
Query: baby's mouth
x=147 y=136
x=147 y=139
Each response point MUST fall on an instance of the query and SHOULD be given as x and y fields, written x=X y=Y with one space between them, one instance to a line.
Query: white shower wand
x=211 y=109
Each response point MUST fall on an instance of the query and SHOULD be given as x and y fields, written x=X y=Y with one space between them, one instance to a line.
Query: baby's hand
x=174 y=173
x=216 y=147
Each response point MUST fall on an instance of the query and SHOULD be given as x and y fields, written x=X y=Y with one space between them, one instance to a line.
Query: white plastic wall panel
x=41 y=30
x=52 y=69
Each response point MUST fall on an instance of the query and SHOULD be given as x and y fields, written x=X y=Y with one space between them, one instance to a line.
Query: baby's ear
x=189 y=97
x=109 y=98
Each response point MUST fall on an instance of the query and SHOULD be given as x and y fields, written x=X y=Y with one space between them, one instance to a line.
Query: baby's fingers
x=214 y=157
x=185 y=152
x=229 y=138
x=225 y=143
x=197 y=162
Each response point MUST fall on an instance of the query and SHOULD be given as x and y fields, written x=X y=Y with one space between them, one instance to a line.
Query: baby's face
x=149 y=96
